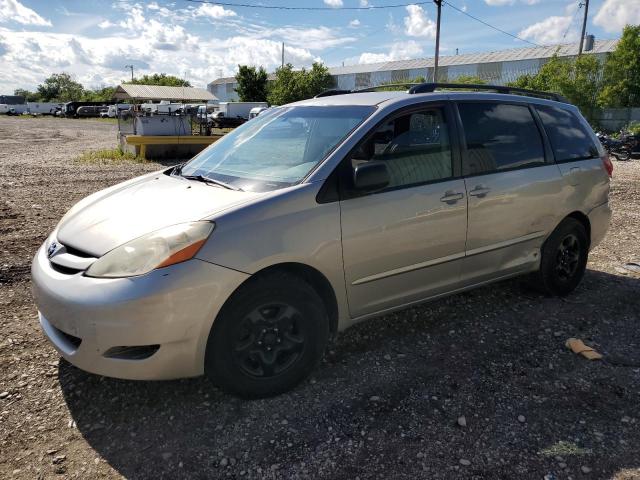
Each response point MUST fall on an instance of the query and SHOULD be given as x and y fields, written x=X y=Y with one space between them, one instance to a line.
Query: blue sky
x=94 y=39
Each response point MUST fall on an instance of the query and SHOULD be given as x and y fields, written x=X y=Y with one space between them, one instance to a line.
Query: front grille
x=69 y=260
x=139 y=352
x=64 y=270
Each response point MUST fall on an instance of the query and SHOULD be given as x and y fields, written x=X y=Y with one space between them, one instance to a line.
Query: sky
x=94 y=40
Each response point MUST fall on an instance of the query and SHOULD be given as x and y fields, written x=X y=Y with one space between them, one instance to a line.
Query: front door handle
x=480 y=191
x=451 y=197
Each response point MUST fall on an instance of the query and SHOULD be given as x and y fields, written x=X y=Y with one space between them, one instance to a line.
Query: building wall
x=498 y=73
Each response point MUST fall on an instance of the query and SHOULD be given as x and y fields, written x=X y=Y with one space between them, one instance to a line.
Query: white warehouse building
x=496 y=68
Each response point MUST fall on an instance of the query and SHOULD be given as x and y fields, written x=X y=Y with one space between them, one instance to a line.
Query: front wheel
x=622 y=155
x=564 y=258
x=268 y=337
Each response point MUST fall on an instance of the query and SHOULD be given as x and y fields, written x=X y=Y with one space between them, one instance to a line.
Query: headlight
x=158 y=249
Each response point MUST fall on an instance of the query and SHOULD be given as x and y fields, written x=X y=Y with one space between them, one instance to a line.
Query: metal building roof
x=128 y=91
x=510 y=55
x=513 y=54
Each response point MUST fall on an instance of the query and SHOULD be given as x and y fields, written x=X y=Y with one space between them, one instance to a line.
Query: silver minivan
x=242 y=263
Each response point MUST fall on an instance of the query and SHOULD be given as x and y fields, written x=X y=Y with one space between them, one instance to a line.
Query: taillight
x=608 y=166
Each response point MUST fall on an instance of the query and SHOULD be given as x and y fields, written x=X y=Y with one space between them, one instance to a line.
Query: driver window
x=415 y=147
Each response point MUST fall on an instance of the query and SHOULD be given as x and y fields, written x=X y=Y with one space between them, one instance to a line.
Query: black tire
x=564 y=259
x=268 y=337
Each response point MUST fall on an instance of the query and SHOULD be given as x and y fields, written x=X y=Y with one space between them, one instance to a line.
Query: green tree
x=161 y=79
x=60 y=87
x=578 y=79
x=622 y=72
x=469 y=79
x=28 y=95
x=292 y=85
x=103 y=94
x=252 y=84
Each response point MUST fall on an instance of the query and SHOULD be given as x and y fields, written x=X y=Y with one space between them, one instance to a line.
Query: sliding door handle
x=479 y=191
x=451 y=197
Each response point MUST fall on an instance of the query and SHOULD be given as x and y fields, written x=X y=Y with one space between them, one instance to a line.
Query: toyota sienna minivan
x=242 y=263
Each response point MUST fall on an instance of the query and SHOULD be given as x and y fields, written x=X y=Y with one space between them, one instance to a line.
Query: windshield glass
x=278 y=148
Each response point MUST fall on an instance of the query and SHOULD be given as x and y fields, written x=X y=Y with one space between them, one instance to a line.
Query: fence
x=613 y=119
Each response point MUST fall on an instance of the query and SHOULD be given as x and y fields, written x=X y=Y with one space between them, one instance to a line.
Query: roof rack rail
x=431 y=87
x=339 y=91
x=333 y=91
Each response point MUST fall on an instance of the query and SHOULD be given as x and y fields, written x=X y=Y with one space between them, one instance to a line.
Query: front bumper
x=173 y=308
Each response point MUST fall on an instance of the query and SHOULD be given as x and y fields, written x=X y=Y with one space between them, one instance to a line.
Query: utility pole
x=131 y=67
x=584 y=25
x=282 y=54
x=435 y=64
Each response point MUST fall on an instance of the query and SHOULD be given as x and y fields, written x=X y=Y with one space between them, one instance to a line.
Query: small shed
x=148 y=93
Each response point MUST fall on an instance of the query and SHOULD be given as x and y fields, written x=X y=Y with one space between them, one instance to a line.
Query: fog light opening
x=139 y=352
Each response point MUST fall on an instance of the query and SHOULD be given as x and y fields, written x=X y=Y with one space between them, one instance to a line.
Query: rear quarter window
x=569 y=137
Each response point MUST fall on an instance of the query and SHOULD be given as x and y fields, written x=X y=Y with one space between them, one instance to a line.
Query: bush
x=109 y=155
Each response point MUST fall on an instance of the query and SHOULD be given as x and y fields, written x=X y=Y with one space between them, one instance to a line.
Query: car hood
x=114 y=216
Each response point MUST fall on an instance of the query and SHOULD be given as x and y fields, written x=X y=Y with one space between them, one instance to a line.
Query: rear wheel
x=564 y=258
x=268 y=337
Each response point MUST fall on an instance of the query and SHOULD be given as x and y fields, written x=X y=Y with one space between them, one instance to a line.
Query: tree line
x=61 y=87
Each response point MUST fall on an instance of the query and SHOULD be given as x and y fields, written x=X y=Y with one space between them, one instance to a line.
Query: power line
x=368 y=7
x=489 y=25
x=284 y=7
x=572 y=21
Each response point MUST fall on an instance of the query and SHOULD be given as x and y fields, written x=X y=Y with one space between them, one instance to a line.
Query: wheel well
x=318 y=282
x=584 y=220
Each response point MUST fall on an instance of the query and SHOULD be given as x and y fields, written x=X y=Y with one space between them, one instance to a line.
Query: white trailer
x=240 y=109
x=47 y=108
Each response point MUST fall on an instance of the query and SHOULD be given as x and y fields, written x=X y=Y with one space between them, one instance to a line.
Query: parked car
x=242 y=263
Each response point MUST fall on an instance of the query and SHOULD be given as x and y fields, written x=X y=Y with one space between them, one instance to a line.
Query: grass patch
x=563 y=448
x=109 y=155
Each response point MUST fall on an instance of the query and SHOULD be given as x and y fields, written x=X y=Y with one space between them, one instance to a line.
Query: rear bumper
x=599 y=219
x=169 y=311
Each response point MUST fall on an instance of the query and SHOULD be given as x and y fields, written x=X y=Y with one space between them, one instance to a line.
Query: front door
x=406 y=242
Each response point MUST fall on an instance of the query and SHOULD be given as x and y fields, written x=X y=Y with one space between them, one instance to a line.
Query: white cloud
x=154 y=43
x=364 y=3
x=417 y=24
x=333 y=3
x=615 y=14
x=106 y=24
x=397 y=51
x=354 y=23
x=551 y=30
x=500 y=3
x=13 y=10
x=213 y=11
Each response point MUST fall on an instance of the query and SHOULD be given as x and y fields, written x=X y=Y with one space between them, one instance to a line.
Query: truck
x=114 y=110
x=232 y=114
x=13 y=109
x=164 y=107
x=46 y=108
x=70 y=109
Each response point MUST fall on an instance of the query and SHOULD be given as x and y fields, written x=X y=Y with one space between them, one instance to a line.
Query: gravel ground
x=387 y=401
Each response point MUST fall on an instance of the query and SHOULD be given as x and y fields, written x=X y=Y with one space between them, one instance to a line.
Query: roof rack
x=431 y=87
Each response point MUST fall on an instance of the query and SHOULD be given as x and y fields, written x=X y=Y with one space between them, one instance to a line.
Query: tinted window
x=498 y=137
x=415 y=147
x=570 y=140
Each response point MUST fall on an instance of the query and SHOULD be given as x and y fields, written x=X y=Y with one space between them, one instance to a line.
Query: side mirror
x=370 y=176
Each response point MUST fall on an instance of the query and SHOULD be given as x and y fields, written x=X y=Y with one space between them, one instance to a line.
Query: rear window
x=570 y=139
x=499 y=136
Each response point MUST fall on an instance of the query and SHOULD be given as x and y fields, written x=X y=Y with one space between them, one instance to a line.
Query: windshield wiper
x=202 y=178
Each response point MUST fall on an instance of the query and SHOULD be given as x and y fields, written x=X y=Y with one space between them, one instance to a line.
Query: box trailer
x=47 y=108
x=232 y=114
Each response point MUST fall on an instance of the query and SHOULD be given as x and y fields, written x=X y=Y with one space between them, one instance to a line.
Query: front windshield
x=278 y=148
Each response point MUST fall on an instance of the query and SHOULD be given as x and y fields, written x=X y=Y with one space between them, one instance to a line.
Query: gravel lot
x=385 y=403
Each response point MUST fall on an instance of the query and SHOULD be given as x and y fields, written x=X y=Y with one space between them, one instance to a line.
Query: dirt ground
x=385 y=403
